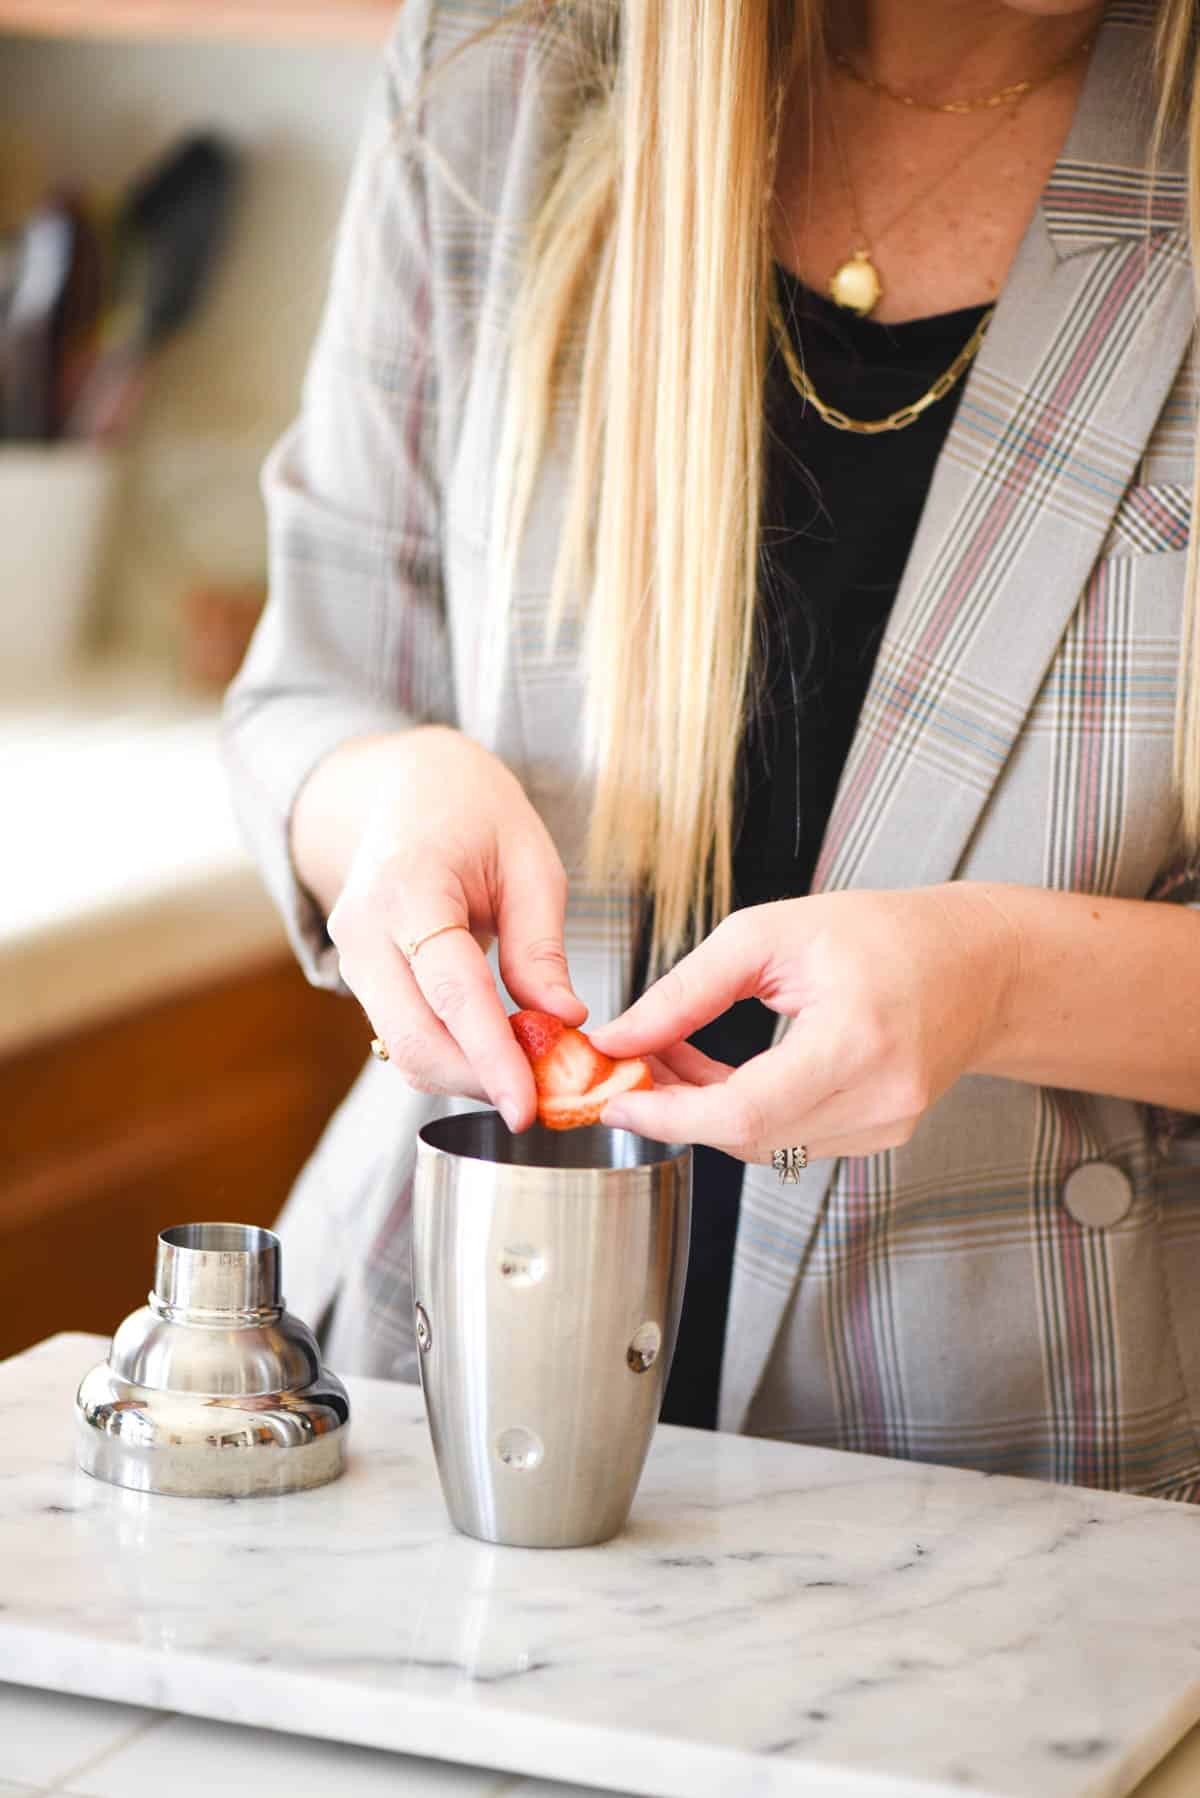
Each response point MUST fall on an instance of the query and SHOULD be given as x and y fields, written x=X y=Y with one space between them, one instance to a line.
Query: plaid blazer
x=1018 y=1288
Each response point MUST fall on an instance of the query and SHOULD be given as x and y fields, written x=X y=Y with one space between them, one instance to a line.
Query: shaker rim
x=483 y=1136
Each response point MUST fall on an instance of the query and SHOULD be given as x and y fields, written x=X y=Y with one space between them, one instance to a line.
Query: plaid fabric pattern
x=1154 y=516
x=940 y=1301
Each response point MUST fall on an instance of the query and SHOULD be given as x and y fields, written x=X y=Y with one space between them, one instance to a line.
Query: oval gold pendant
x=856 y=285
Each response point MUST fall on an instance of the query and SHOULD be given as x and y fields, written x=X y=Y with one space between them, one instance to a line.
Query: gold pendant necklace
x=857 y=284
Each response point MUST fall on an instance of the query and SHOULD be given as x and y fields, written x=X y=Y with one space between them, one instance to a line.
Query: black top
x=840 y=512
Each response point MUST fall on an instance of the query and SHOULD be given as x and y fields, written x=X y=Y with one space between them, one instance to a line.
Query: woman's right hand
x=429 y=828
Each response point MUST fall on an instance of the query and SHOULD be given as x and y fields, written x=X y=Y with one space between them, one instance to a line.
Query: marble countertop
x=776 y=1619
x=84 y=1748
x=52 y=1744
x=125 y=877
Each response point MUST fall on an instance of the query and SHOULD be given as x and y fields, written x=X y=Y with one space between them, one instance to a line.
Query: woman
x=592 y=590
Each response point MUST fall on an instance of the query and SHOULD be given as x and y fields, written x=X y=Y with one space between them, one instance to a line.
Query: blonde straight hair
x=645 y=287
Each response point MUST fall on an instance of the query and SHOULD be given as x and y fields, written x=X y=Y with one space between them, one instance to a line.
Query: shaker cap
x=213 y=1389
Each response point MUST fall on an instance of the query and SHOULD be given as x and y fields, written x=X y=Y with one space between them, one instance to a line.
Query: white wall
x=97 y=113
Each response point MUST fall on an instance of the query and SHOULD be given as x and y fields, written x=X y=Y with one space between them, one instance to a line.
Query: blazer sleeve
x=353 y=639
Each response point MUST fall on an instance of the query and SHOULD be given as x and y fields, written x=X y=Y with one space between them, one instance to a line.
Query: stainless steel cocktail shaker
x=548 y=1274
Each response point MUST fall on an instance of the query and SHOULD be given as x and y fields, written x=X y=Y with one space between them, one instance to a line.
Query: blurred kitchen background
x=171 y=173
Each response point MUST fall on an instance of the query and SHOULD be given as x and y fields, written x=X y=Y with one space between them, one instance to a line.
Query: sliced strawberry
x=570 y=1113
x=573 y=1067
x=563 y=1060
x=537 y=1032
x=574 y=1080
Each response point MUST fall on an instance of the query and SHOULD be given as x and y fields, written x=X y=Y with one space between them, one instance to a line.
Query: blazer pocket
x=1151 y=518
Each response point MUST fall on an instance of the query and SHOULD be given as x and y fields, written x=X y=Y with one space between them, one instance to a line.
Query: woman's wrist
x=988 y=939
x=998 y=964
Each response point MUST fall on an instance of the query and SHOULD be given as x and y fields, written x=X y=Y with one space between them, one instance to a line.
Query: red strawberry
x=571 y=1111
x=574 y=1081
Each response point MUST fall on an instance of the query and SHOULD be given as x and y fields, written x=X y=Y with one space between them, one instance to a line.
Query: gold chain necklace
x=895 y=421
x=1016 y=90
x=856 y=284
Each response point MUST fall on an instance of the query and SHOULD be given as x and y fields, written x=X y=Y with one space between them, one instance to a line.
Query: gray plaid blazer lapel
x=1087 y=338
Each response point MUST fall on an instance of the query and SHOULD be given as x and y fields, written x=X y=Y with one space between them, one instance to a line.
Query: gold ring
x=409 y=946
x=379 y=1049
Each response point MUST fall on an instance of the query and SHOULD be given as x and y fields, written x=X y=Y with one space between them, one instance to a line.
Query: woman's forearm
x=1103 y=994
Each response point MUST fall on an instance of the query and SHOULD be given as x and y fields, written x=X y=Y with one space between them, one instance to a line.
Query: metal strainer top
x=213 y=1389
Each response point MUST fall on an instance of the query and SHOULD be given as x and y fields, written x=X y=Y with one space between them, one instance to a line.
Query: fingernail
x=615 y=1118
x=510 y=1111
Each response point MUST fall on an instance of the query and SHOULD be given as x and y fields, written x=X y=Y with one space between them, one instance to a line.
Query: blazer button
x=1097 y=1194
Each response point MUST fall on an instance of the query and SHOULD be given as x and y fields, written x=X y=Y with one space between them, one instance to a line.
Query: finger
x=726 y=967
x=419 y=1046
x=848 y=1096
x=677 y=1121
x=673 y=1113
x=663 y=1074
x=531 y=906
x=456 y=981
x=691 y=1065
x=747 y=1115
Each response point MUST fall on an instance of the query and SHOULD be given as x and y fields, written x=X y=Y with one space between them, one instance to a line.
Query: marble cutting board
x=776 y=1619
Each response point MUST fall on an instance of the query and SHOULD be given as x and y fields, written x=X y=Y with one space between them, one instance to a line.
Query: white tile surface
x=45 y=1736
x=189 y=1758
x=776 y=1620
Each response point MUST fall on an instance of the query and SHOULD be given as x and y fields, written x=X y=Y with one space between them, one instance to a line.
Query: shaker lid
x=213 y=1389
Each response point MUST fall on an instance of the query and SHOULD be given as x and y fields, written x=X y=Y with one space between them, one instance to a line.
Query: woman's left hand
x=895 y=995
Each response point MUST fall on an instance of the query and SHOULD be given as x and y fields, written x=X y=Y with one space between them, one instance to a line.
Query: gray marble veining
x=776 y=1619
